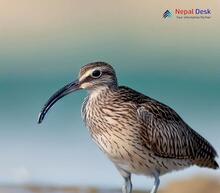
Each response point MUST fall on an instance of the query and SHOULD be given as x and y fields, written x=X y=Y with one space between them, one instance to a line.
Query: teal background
x=44 y=44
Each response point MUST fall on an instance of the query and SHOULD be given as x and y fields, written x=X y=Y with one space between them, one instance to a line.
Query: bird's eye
x=96 y=74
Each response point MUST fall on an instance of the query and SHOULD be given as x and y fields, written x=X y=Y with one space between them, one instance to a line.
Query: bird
x=139 y=134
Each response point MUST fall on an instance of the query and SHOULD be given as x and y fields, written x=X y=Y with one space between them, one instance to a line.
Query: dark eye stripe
x=107 y=73
x=87 y=79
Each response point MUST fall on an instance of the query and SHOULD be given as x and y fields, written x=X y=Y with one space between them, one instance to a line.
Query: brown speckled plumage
x=139 y=134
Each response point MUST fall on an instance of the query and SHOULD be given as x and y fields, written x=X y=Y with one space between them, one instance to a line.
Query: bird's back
x=166 y=133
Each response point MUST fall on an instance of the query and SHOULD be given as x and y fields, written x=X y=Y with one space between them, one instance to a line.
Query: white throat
x=95 y=92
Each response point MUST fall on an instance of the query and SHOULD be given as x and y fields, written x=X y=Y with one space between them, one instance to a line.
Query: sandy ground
x=194 y=185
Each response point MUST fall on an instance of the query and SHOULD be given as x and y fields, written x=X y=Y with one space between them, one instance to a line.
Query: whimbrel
x=140 y=135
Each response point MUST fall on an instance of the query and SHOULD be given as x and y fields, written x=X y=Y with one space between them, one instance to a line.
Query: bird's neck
x=101 y=91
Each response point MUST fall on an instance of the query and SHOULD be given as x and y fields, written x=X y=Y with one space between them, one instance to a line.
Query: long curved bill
x=71 y=87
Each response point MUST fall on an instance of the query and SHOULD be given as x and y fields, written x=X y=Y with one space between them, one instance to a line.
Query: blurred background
x=43 y=45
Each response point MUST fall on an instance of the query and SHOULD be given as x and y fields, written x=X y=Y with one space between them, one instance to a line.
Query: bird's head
x=96 y=76
x=93 y=76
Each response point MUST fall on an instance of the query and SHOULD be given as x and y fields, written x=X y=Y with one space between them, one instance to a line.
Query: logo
x=191 y=13
x=167 y=14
